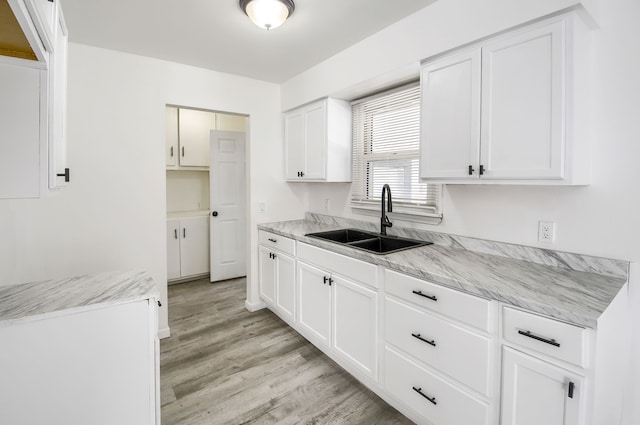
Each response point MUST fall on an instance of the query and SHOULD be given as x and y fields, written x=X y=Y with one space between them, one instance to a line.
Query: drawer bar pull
x=572 y=387
x=272 y=240
x=417 y=336
x=539 y=338
x=419 y=391
x=431 y=297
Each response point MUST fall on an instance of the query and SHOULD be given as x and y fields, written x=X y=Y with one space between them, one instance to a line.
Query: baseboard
x=164 y=333
x=254 y=307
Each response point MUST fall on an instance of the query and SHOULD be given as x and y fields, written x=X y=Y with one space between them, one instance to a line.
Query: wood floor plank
x=224 y=365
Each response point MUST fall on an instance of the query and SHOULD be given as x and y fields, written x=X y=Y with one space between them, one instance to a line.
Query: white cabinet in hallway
x=187 y=247
x=187 y=133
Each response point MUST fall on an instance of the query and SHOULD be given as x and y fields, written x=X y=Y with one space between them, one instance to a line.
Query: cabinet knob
x=65 y=175
x=214 y=213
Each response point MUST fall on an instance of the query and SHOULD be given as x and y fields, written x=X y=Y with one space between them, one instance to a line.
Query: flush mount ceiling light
x=268 y=14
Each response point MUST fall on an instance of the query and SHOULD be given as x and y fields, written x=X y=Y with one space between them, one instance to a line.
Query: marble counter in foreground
x=37 y=300
x=572 y=296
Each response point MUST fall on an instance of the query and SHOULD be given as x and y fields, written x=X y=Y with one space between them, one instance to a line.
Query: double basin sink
x=368 y=241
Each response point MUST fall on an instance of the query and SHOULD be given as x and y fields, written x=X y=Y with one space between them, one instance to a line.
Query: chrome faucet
x=384 y=220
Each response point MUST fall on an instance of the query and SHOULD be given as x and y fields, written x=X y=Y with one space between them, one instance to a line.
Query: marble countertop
x=577 y=297
x=38 y=300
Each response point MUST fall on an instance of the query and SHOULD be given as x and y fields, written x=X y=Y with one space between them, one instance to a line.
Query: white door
x=523 y=92
x=294 y=144
x=267 y=278
x=286 y=277
x=173 y=248
x=228 y=205
x=355 y=324
x=171 y=134
x=315 y=125
x=536 y=392
x=315 y=303
x=194 y=246
x=194 y=131
x=450 y=117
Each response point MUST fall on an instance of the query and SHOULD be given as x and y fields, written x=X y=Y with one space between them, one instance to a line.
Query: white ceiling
x=217 y=35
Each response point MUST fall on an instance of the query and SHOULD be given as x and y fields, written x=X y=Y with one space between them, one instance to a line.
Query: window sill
x=402 y=213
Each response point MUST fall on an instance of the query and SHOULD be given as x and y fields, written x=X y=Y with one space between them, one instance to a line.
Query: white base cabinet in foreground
x=277 y=268
x=97 y=366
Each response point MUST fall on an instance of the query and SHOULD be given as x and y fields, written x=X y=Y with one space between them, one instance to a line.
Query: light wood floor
x=224 y=365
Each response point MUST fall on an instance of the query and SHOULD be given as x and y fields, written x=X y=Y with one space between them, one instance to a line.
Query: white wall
x=112 y=214
x=187 y=191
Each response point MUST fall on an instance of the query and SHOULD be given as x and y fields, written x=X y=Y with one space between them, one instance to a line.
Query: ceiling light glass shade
x=268 y=14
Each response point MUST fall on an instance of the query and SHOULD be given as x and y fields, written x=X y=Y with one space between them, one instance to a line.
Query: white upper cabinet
x=33 y=102
x=523 y=82
x=194 y=129
x=188 y=135
x=500 y=112
x=451 y=116
x=317 y=140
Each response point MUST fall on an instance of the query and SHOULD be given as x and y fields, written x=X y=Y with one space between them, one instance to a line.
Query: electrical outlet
x=546 y=231
x=326 y=205
x=262 y=207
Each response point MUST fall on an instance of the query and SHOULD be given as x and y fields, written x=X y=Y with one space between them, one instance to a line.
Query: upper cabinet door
x=523 y=100
x=58 y=102
x=194 y=128
x=451 y=117
x=316 y=141
x=171 y=134
x=294 y=135
x=228 y=122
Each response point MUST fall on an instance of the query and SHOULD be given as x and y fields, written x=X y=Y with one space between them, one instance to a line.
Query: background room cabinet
x=187 y=247
x=498 y=112
x=188 y=134
x=318 y=142
x=537 y=392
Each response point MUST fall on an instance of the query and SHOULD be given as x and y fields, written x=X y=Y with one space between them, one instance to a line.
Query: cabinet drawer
x=343 y=265
x=446 y=405
x=454 y=351
x=547 y=336
x=473 y=311
x=278 y=242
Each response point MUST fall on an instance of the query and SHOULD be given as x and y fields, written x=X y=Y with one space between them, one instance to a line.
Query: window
x=386 y=143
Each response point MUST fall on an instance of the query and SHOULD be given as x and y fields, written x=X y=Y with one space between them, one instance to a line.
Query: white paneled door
x=228 y=205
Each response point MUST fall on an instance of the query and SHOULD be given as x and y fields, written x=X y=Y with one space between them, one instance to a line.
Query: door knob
x=215 y=213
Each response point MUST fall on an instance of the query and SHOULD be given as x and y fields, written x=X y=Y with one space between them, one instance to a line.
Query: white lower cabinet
x=277 y=280
x=535 y=392
x=187 y=247
x=338 y=312
x=435 y=399
x=95 y=365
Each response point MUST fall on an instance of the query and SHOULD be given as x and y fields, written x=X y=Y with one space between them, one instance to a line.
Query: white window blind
x=386 y=143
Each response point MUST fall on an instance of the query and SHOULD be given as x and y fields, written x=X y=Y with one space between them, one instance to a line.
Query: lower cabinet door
x=194 y=246
x=355 y=326
x=436 y=400
x=267 y=274
x=173 y=249
x=315 y=303
x=286 y=277
x=535 y=392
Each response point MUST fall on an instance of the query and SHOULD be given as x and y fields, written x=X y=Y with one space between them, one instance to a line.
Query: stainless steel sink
x=368 y=241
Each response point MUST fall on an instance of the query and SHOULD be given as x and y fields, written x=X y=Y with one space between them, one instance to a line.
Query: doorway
x=206 y=194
